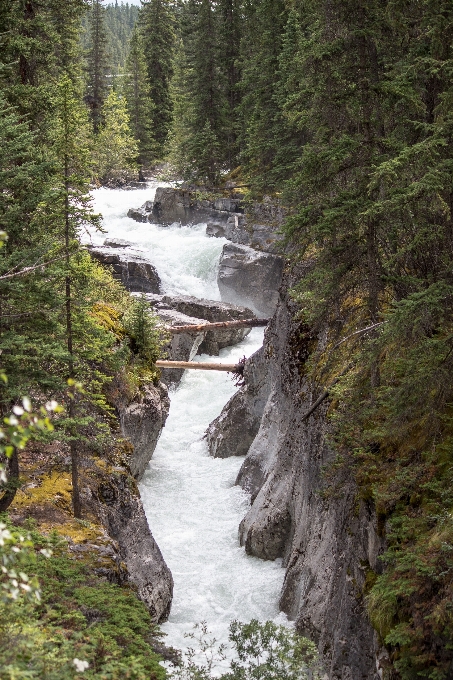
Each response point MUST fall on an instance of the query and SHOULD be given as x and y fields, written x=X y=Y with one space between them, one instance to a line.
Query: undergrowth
x=82 y=622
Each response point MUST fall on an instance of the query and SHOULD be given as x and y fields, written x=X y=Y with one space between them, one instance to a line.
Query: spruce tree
x=229 y=16
x=115 y=150
x=136 y=89
x=156 y=23
x=199 y=145
x=97 y=64
x=264 y=131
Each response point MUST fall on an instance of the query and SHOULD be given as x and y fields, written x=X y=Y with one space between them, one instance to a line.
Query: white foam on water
x=185 y=258
x=192 y=505
x=194 y=511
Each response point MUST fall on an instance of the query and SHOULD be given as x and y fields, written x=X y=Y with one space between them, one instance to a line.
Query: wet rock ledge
x=328 y=542
x=251 y=224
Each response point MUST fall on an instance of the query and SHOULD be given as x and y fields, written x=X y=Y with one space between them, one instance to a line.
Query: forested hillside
x=340 y=112
x=120 y=19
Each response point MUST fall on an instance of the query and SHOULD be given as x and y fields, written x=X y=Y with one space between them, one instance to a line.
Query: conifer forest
x=334 y=119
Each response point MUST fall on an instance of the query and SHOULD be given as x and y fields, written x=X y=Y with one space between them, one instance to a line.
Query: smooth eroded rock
x=247 y=276
x=142 y=422
x=234 y=430
x=325 y=535
x=121 y=511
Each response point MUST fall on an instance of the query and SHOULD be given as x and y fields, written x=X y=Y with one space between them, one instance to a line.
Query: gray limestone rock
x=142 y=422
x=134 y=271
x=234 y=430
x=247 y=276
x=327 y=540
x=241 y=229
x=121 y=512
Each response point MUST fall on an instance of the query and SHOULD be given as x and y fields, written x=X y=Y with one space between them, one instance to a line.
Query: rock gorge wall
x=115 y=501
x=327 y=540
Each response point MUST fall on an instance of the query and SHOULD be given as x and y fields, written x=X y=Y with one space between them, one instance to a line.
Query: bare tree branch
x=28 y=270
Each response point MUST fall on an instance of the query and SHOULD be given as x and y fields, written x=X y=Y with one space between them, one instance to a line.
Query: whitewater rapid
x=192 y=505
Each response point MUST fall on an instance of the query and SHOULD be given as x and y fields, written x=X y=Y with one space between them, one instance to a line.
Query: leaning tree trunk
x=13 y=482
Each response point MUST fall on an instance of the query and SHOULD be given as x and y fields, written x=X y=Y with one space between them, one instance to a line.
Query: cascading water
x=184 y=257
x=192 y=505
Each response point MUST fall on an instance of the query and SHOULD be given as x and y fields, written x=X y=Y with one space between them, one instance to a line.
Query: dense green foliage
x=261 y=651
x=137 y=91
x=344 y=110
x=97 y=64
x=341 y=110
x=79 y=617
x=156 y=25
x=119 y=20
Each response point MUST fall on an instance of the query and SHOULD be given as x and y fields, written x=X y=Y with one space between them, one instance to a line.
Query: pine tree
x=156 y=24
x=97 y=64
x=229 y=16
x=198 y=144
x=136 y=89
x=264 y=134
x=115 y=150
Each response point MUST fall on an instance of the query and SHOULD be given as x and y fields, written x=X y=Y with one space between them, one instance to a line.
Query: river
x=192 y=505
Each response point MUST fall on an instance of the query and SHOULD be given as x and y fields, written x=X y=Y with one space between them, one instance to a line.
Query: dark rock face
x=180 y=205
x=121 y=512
x=118 y=505
x=138 y=214
x=142 y=422
x=249 y=277
x=327 y=542
x=134 y=271
x=242 y=229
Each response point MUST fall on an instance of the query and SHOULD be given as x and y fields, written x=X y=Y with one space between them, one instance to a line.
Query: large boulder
x=184 y=206
x=247 y=276
x=138 y=214
x=242 y=229
x=134 y=271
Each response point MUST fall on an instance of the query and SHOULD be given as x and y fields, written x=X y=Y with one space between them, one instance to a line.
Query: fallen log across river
x=241 y=323
x=201 y=365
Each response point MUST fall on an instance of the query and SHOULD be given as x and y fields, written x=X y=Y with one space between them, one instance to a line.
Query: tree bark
x=231 y=368
x=241 y=323
x=13 y=470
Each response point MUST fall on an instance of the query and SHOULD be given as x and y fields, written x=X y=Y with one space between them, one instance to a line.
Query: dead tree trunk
x=241 y=323
x=201 y=366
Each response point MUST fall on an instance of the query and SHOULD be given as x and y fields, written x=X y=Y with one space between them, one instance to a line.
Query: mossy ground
x=87 y=611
